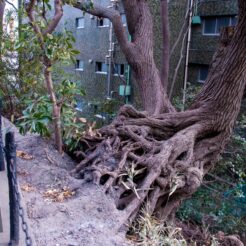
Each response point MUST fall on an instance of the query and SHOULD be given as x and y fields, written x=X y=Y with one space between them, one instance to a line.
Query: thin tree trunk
x=30 y=9
x=165 y=43
x=55 y=108
x=2 y=8
x=20 y=54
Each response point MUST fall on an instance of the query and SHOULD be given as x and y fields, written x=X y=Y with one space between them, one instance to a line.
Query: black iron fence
x=15 y=207
x=2 y=166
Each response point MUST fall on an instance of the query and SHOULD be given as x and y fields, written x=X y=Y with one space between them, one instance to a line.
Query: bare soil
x=88 y=217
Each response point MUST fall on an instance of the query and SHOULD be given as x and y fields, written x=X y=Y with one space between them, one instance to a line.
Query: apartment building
x=101 y=66
x=209 y=17
x=99 y=48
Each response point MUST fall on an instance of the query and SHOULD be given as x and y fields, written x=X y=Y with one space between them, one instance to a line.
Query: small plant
x=128 y=178
x=36 y=117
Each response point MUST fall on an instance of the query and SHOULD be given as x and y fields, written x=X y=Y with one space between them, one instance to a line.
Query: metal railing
x=15 y=207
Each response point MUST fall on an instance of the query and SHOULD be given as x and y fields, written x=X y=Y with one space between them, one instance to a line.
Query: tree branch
x=132 y=15
x=55 y=20
x=12 y=5
x=30 y=13
x=165 y=43
x=114 y=17
x=2 y=7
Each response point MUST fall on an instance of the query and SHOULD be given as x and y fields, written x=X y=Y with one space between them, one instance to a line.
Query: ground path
x=88 y=218
x=4 y=206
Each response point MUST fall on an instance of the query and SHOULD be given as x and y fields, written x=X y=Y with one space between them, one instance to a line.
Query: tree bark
x=157 y=158
x=56 y=109
x=165 y=43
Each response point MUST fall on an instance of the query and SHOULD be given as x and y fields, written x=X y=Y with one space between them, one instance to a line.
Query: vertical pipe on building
x=111 y=53
x=191 y=3
x=128 y=74
x=110 y=59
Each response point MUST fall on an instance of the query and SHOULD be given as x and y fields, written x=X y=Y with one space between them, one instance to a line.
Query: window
x=103 y=22
x=101 y=67
x=123 y=19
x=212 y=25
x=203 y=73
x=80 y=22
x=79 y=65
x=119 y=69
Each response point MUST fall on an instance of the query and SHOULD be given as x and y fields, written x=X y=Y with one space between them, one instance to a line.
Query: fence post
x=10 y=152
x=2 y=165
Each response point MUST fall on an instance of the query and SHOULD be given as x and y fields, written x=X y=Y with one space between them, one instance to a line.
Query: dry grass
x=148 y=231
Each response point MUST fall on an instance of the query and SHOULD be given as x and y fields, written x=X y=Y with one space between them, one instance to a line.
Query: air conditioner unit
x=196 y=20
x=125 y=90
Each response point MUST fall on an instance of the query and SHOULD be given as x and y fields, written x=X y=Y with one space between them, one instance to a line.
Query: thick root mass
x=158 y=161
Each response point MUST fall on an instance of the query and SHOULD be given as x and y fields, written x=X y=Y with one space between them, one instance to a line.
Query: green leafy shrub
x=37 y=117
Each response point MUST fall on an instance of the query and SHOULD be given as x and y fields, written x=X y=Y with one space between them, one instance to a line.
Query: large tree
x=159 y=156
x=170 y=151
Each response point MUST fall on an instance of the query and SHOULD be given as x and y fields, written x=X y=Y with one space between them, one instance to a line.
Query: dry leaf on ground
x=27 y=188
x=56 y=195
x=24 y=155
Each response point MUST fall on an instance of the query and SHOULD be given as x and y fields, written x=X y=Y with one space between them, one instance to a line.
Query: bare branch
x=55 y=20
x=2 y=7
x=31 y=16
x=178 y=65
x=182 y=30
x=12 y=5
x=165 y=43
x=114 y=17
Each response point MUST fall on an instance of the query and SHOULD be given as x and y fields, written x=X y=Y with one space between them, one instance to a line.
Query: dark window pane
x=123 y=19
x=122 y=69
x=203 y=73
x=104 y=68
x=79 y=64
x=98 y=66
x=80 y=22
x=100 y=21
x=101 y=67
x=222 y=22
x=103 y=22
x=233 y=21
x=119 y=69
x=209 y=26
x=116 y=68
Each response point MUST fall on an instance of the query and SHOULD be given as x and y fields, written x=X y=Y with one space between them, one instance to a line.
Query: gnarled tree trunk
x=161 y=156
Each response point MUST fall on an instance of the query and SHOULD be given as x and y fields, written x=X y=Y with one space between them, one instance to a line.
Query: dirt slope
x=87 y=218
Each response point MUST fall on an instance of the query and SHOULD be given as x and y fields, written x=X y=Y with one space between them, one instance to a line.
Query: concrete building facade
x=93 y=40
x=209 y=17
x=98 y=48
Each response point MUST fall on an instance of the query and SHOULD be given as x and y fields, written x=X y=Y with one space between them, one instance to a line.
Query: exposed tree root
x=161 y=163
x=203 y=237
